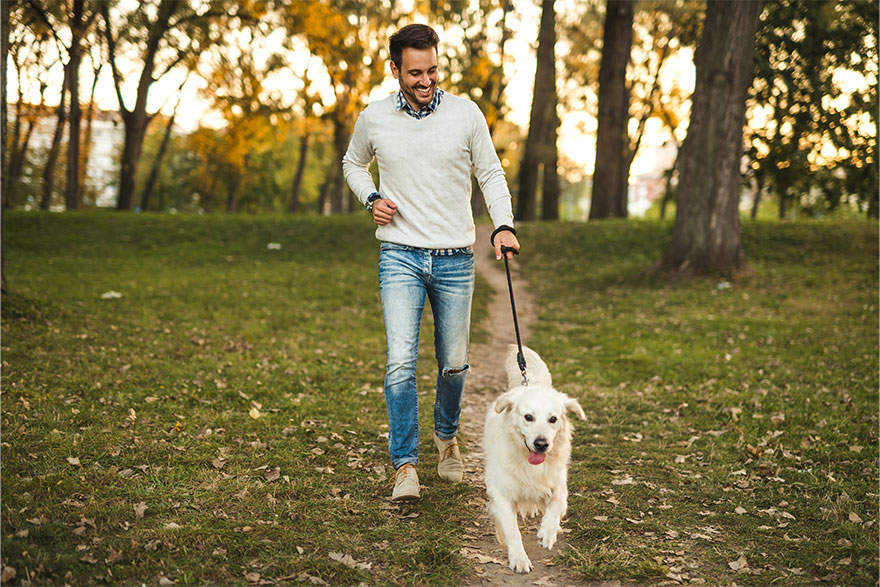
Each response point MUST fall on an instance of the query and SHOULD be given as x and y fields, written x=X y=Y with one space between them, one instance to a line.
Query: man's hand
x=507 y=239
x=383 y=211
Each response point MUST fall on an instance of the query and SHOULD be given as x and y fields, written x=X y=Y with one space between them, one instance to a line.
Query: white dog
x=527 y=446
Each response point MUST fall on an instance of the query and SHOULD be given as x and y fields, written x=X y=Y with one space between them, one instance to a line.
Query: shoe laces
x=403 y=471
x=449 y=451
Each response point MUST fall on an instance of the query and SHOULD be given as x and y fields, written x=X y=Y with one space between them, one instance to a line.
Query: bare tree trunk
x=293 y=205
x=87 y=137
x=550 y=189
x=54 y=150
x=706 y=236
x=541 y=118
x=157 y=163
x=72 y=191
x=610 y=178
x=756 y=194
x=4 y=181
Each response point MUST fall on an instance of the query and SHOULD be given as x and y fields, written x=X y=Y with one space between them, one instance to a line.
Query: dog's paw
x=547 y=536
x=519 y=562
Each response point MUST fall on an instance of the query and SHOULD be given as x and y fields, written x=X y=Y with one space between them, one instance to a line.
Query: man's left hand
x=505 y=238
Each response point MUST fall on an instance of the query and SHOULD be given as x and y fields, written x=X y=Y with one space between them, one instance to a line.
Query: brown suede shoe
x=449 y=468
x=406 y=484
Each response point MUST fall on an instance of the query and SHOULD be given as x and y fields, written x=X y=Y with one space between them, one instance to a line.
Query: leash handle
x=520 y=358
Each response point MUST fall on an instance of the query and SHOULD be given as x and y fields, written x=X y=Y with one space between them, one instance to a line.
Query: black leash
x=520 y=359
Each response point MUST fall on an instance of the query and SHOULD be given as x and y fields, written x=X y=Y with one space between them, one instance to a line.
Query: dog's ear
x=573 y=405
x=504 y=402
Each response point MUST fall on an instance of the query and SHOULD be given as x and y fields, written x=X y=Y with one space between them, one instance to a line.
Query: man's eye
x=530 y=418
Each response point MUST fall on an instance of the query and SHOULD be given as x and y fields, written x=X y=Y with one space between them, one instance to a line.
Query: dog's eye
x=553 y=420
x=529 y=418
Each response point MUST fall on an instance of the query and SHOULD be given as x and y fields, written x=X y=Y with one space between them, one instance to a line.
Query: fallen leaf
x=254 y=413
x=172 y=526
x=165 y=581
x=740 y=510
x=252 y=577
x=73 y=461
x=481 y=558
x=7 y=575
x=218 y=463
x=114 y=556
x=628 y=480
x=273 y=475
x=350 y=562
x=140 y=509
x=739 y=564
x=854 y=517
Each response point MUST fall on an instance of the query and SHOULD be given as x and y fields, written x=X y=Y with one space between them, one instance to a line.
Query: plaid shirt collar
x=424 y=111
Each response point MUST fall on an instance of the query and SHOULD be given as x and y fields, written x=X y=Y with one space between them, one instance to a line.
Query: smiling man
x=427 y=143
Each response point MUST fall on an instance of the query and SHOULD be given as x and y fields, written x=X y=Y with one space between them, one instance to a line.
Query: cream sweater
x=425 y=168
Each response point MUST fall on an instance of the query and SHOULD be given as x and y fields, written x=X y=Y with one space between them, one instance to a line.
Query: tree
x=163 y=35
x=349 y=37
x=77 y=18
x=475 y=65
x=610 y=178
x=706 y=235
x=540 y=152
x=4 y=50
x=814 y=105
x=27 y=42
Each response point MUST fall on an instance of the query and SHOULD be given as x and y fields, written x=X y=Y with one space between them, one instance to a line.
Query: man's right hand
x=383 y=211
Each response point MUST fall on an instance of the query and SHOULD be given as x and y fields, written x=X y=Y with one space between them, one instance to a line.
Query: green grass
x=234 y=391
x=738 y=419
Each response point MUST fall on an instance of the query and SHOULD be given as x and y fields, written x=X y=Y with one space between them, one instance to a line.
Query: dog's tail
x=536 y=370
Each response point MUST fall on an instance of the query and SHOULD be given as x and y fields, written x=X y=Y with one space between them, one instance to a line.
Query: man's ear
x=394 y=71
x=573 y=405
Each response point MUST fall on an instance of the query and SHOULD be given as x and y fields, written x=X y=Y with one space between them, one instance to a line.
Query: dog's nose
x=541 y=445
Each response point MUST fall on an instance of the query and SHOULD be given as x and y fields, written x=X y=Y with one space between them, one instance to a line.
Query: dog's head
x=539 y=415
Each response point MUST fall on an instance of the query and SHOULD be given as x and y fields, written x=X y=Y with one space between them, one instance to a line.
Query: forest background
x=248 y=106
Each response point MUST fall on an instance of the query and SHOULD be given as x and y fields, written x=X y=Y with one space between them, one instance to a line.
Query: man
x=426 y=143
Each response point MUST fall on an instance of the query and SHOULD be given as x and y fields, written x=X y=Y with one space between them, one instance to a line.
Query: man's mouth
x=423 y=92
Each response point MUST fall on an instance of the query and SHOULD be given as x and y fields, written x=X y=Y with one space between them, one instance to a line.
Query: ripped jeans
x=407 y=275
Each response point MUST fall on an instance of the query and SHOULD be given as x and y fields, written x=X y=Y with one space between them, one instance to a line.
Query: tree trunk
x=550 y=189
x=4 y=181
x=610 y=175
x=541 y=119
x=72 y=193
x=706 y=235
x=137 y=119
x=756 y=194
x=157 y=162
x=293 y=204
x=337 y=188
x=135 y=124
x=87 y=137
x=54 y=150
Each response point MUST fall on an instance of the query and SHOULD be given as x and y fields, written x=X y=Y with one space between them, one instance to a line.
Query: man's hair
x=412 y=36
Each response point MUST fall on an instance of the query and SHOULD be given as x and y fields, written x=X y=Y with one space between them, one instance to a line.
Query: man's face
x=417 y=75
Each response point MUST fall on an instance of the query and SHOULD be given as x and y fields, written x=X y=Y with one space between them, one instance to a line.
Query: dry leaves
x=350 y=562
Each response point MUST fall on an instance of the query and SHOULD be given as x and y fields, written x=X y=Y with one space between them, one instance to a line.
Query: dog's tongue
x=536 y=458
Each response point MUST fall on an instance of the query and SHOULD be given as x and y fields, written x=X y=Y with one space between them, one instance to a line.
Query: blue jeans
x=407 y=275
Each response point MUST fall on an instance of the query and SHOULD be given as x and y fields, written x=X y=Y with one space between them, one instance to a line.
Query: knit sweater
x=425 y=168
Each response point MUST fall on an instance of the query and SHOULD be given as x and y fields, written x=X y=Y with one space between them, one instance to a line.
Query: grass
x=222 y=421
x=727 y=420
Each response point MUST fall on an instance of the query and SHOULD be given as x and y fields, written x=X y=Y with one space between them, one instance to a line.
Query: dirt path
x=486 y=381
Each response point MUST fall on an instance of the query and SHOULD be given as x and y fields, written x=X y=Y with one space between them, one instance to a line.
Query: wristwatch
x=371 y=199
